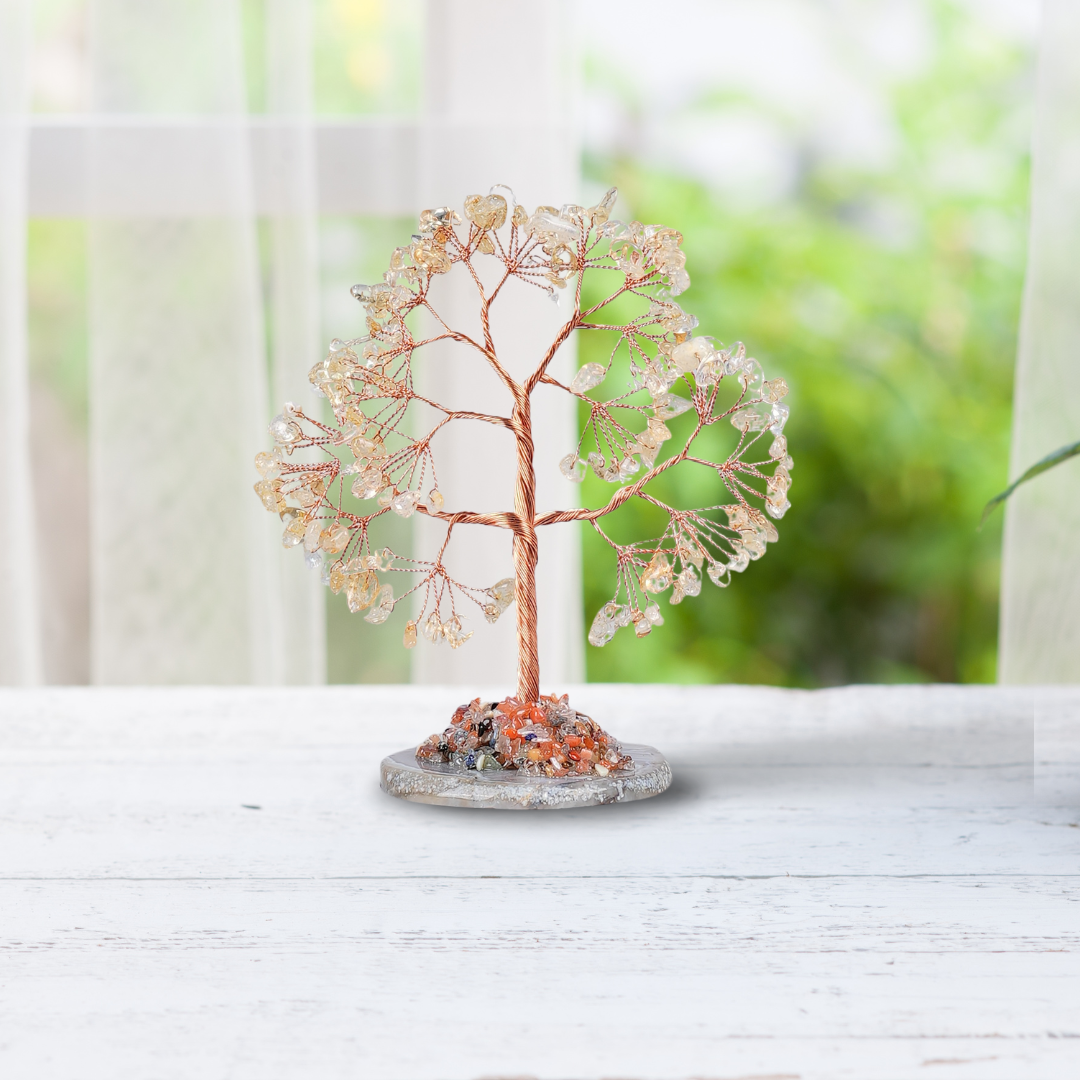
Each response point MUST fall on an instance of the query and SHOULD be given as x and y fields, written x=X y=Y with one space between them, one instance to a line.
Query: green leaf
x=1048 y=462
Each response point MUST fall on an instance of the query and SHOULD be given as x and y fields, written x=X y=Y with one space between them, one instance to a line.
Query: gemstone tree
x=369 y=384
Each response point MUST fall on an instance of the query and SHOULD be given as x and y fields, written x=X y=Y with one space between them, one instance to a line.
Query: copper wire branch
x=370 y=386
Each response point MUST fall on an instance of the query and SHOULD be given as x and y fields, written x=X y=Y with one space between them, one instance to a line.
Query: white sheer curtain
x=1040 y=588
x=292 y=210
x=20 y=641
x=190 y=354
x=189 y=582
x=498 y=110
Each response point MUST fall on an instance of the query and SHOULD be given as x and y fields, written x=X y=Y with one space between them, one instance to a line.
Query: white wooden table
x=868 y=882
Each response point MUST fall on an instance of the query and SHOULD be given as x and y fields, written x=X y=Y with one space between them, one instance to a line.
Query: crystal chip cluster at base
x=543 y=738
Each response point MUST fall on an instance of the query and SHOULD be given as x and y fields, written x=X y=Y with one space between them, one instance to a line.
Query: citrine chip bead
x=335 y=538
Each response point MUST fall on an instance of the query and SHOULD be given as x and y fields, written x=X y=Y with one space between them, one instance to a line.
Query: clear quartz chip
x=667 y=406
x=548 y=224
x=405 y=504
x=659 y=379
x=382 y=607
x=505 y=590
x=687 y=583
x=741 y=560
x=607 y=622
x=757 y=416
x=658 y=575
x=719 y=575
x=369 y=483
x=453 y=633
x=691 y=354
x=601 y=632
x=752 y=377
x=690 y=581
x=779 y=417
x=589 y=376
x=502 y=596
x=777 y=507
x=602 y=210
x=284 y=431
x=647 y=451
x=774 y=390
x=573 y=468
x=433 y=628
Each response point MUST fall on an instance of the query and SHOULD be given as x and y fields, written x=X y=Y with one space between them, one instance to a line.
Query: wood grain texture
x=864 y=883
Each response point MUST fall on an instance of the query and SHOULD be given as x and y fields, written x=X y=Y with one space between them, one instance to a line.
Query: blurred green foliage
x=366 y=56
x=889 y=302
x=56 y=314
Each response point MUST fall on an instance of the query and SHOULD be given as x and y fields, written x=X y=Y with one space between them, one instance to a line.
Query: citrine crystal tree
x=657 y=371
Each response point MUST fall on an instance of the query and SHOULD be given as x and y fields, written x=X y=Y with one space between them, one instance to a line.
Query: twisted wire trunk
x=526 y=553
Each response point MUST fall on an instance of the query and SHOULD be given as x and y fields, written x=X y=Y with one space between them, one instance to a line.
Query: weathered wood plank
x=444 y=978
x=855 y=883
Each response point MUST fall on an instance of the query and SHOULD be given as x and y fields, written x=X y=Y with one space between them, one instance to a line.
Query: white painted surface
x=869 y=882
